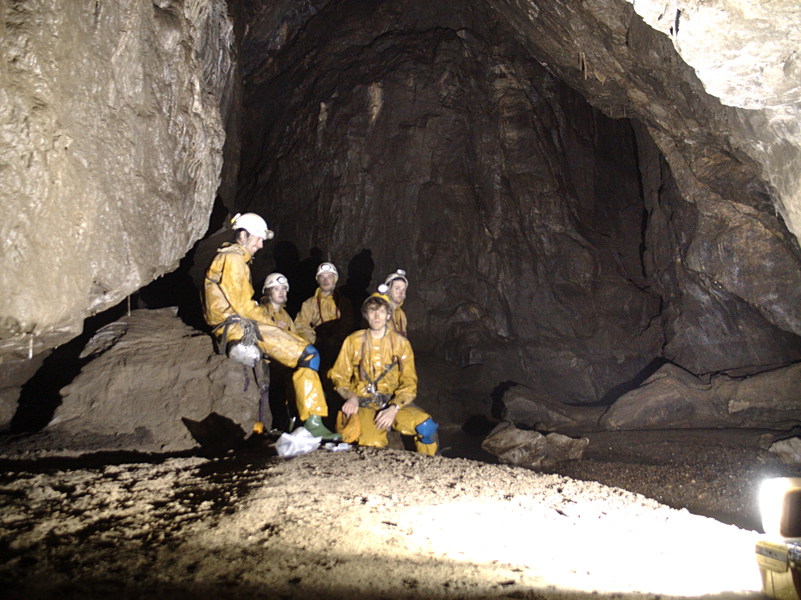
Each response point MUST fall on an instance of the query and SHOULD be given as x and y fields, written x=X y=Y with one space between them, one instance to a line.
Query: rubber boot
x=427 y=449
x=315 y=426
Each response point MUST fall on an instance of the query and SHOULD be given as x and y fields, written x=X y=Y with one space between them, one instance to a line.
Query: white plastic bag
x=298 y=442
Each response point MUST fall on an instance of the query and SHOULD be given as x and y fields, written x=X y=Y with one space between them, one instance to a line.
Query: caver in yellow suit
x=228 y=297
x=382 y=372
x=315 y=311
x=280 y=317
x=398 y=321
x=326 y=314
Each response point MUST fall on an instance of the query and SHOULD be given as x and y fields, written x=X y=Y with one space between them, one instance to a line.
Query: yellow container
x=780 y=566
x=779 y=553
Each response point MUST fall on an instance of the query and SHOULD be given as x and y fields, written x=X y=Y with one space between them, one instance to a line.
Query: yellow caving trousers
x=286 y=348
x=407 y=419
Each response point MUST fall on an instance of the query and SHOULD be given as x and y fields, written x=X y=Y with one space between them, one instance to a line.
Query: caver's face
x=377 y=317
x=327 y=281
x=277 y=294
x=397 y=291
x=253 y=244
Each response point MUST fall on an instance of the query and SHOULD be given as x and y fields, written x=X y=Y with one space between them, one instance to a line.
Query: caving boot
x=427 y=449
x=314 y=424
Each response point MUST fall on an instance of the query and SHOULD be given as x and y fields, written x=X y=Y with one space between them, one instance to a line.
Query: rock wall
x=111 y=153
x=569 y=202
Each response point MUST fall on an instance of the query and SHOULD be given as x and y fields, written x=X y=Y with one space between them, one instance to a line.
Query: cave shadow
x=496 y=398
x=622 y=388
x=87 y=460
x=357 y=286
x=40 y=395
x=215 y=434
x=302 y=274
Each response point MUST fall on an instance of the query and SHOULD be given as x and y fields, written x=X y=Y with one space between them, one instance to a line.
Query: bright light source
x=780 y=507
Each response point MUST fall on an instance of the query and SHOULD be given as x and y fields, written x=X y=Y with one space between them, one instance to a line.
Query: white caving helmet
x=327 y=267
x=274 y=279
x=399 y=274
x=253 y=224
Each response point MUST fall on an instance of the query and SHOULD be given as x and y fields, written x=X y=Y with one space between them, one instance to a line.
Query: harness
x=375 y=399
x=335 y=298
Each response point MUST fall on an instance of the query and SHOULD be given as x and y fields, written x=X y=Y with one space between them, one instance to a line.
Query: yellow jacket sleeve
x=344 y=374
x=406 y=391
x=228 y=290
x=399 y=322
x=306 y=320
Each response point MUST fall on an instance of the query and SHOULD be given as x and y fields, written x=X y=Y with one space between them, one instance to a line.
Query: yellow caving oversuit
x=398 y=321
x=389 y=360
x=314 y=311
x=280 y=317
x=228 y=292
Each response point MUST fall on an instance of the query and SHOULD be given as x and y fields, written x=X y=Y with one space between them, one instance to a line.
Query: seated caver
x=236 y=319
x=281 y=397
x=275 y=290
x=375 y=375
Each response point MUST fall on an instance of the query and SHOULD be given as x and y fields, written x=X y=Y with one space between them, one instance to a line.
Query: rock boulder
x=156 y=374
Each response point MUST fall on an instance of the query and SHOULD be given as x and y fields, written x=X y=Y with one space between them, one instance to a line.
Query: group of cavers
x=373 y=371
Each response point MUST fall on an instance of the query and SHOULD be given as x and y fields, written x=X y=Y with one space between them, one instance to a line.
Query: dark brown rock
x=531 y=448
x=535 y=409
x=674 y=398
x=136 y=394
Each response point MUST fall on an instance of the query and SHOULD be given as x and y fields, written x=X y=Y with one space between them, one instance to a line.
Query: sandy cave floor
x=642 y=515
x=368 y=523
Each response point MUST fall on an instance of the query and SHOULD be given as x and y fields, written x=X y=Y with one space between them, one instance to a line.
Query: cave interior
x=547 y=238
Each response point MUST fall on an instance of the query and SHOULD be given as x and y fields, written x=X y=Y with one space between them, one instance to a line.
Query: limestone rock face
x=111 y=153
x=156 y=373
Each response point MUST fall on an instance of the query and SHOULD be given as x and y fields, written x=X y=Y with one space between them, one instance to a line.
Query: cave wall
x=513 y=204
x=112 y=147
x=544 y=238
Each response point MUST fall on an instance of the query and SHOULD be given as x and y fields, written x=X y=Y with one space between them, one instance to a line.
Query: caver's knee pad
x=310 y=358
x=427 y=430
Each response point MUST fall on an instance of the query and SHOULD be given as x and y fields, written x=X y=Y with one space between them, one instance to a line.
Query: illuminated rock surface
x=112 y=117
